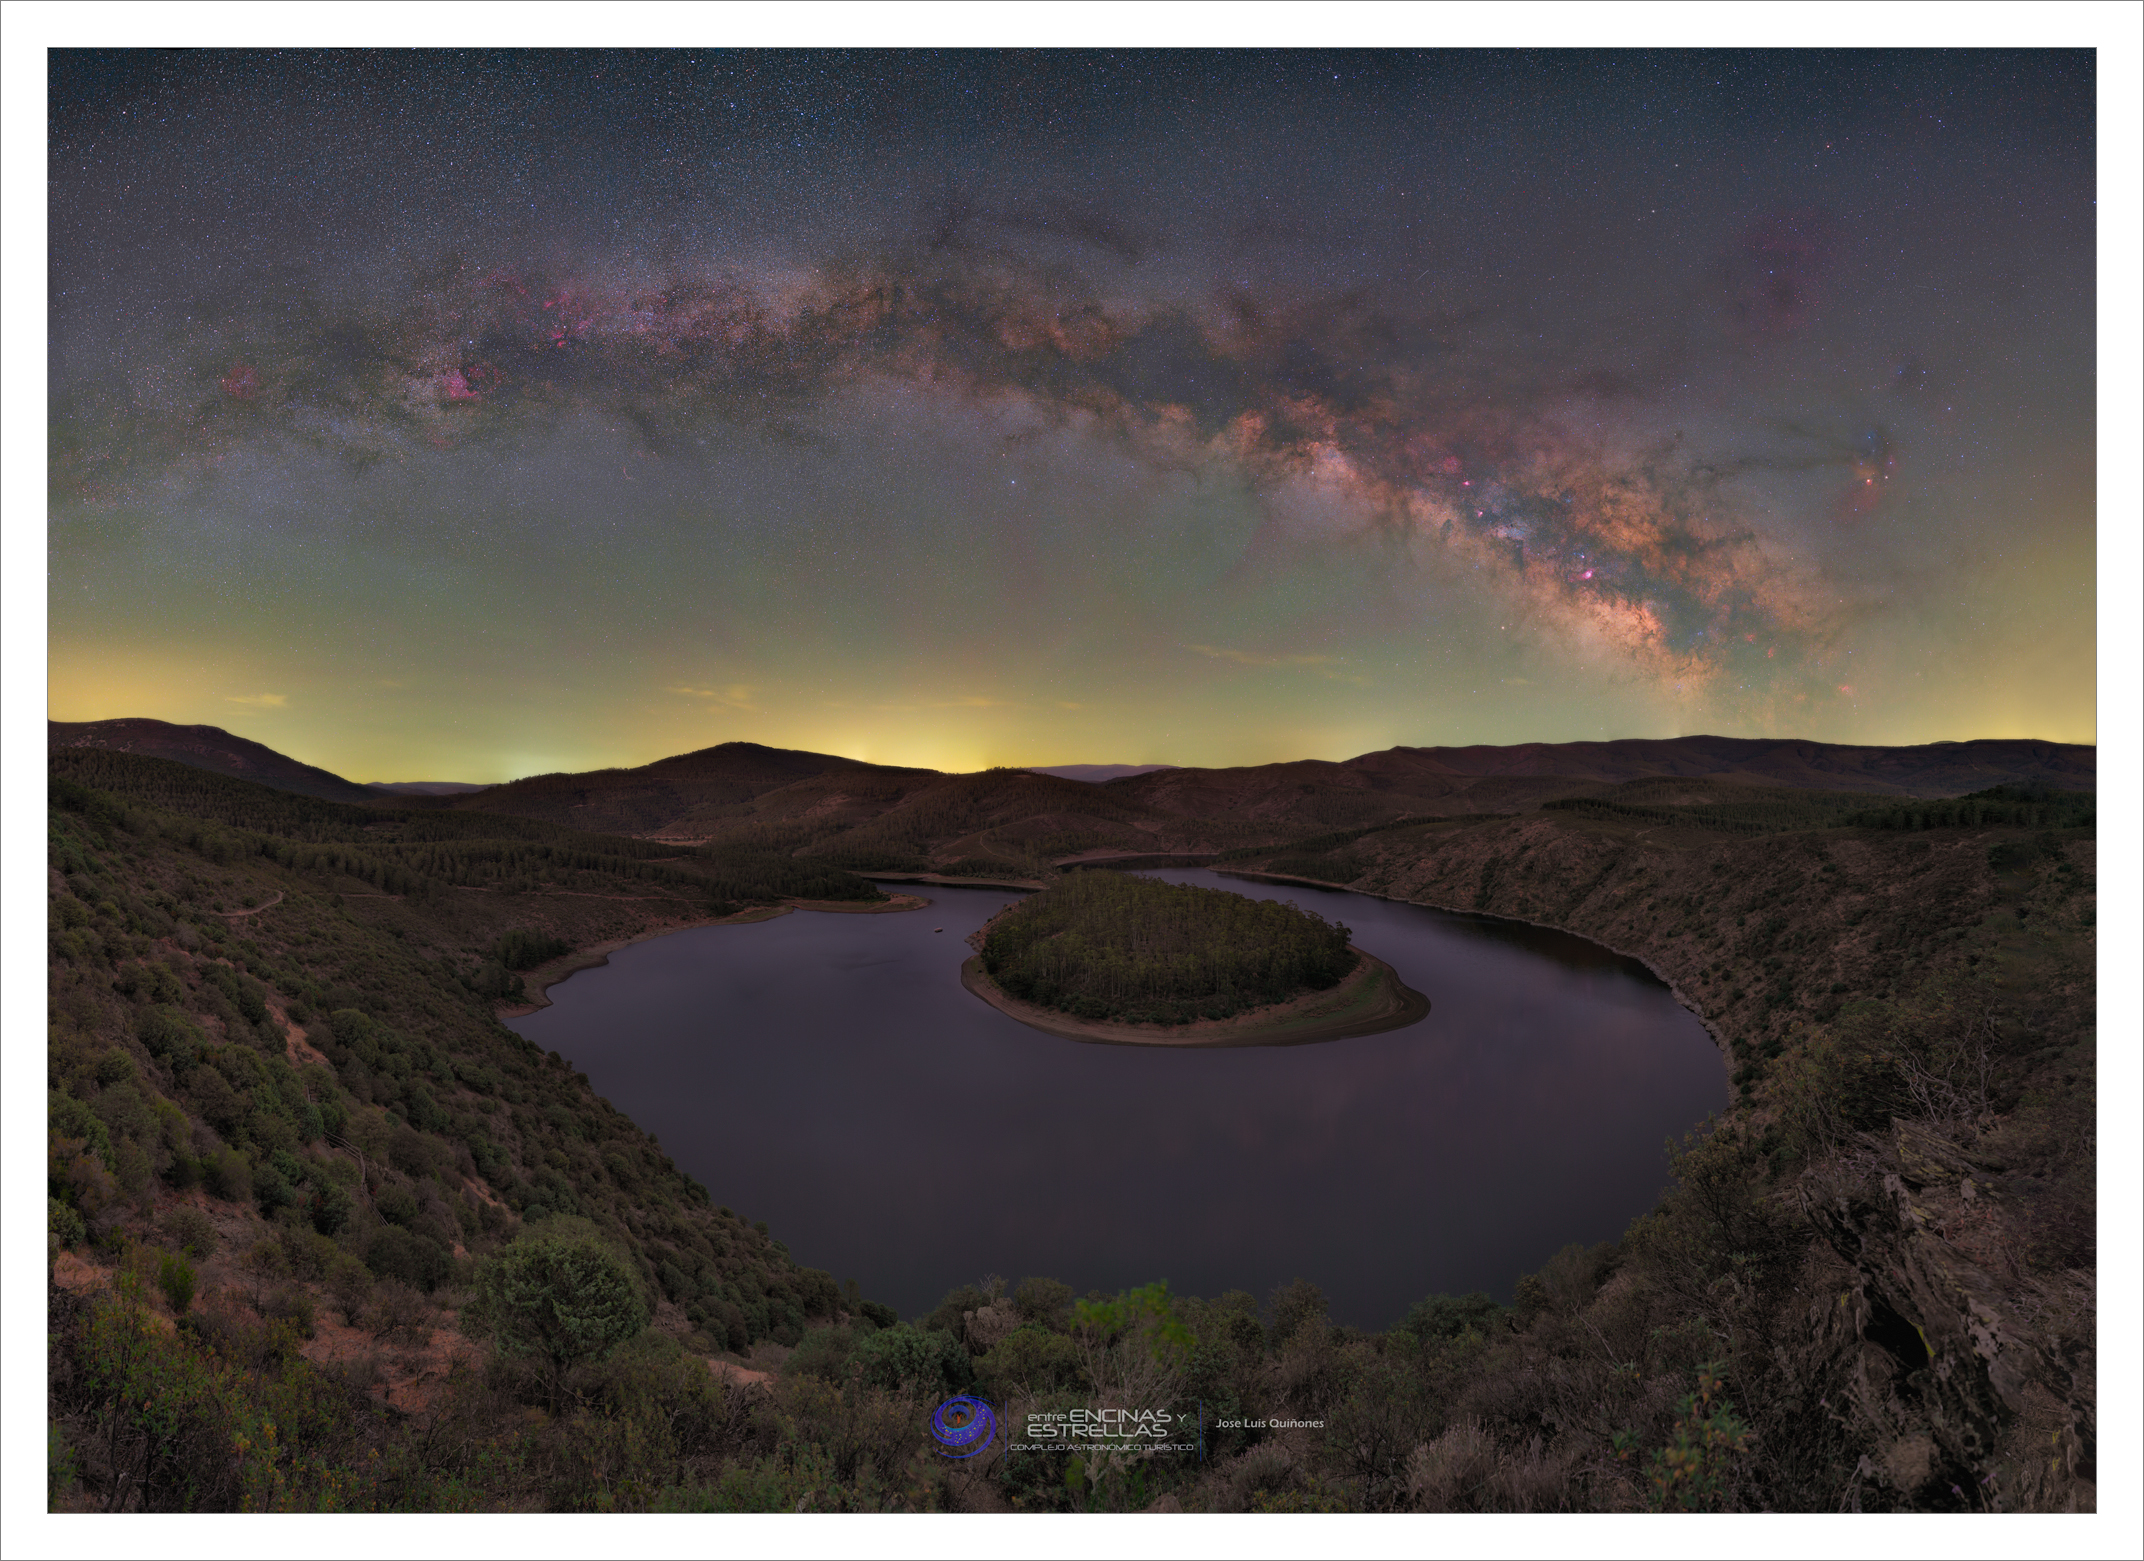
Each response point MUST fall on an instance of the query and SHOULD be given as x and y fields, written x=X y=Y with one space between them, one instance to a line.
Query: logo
x=1135 y=1432
x=963 y=1426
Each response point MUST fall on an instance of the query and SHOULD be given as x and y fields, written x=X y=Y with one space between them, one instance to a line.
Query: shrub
x=1294 y=1305
x=166 y=1031
x=523 y=950
x=175 y=1277
x=397 y=1205
x=272 y=1189
x=68 y=1118
x=394 y=1310
x=415 y=1260
x=560 y=1299
x=292 y=1304
x=823 y=1353
x=309 y=1256
x=189 y=1231
x=350 y=1283
x=329 y=1207
x=902 y=1356
x=1448 y=1316
x=1029 y=1357
x=227 y=1175
x=63 y=1225
x=1696 y=1473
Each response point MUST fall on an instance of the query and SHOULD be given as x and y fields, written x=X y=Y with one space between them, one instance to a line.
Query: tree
x=901 y=1356
x=560 y=1299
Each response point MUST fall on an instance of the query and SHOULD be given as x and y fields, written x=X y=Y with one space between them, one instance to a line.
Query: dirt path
x=296 y=1048
x=256 y=910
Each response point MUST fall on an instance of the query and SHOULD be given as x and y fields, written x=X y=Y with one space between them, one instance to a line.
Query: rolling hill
x=859 y=816
x=207 y=748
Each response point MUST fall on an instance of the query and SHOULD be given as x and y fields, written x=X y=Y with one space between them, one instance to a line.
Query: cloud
x=259 y=701
x=734 y=696
x=968 y=702
x=1247 y=659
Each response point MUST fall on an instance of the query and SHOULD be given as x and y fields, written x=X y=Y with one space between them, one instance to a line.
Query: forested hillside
x=326 y=1236
x=275 y=1073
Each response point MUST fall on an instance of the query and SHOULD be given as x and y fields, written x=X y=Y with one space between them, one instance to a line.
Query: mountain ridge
x=734 y=790
x=207 y=748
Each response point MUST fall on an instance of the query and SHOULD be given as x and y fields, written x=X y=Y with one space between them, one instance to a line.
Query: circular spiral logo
x=963 y=1426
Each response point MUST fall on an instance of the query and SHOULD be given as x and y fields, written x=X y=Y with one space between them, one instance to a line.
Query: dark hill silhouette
x=871 y=815
x=1097 y=772
x=1927 y=769
x=1484 y=779
x=207 y=748
x=655 y=798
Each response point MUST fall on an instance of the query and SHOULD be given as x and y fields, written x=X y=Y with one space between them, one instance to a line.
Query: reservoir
x=829 y=1074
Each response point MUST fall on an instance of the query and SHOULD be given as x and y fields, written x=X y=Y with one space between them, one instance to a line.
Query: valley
x=280 y=1012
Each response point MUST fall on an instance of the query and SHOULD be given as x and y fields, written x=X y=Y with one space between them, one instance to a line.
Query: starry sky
x=463 y=415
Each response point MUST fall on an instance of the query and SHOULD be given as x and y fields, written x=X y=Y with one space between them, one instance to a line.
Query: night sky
x=466 y=415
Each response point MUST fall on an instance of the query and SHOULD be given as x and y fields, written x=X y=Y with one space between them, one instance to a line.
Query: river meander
x=829 y=1074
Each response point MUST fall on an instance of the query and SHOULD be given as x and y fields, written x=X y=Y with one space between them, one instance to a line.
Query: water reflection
x=829 y=1074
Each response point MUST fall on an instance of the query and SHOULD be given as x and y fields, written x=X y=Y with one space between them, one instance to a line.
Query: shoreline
x=1369 y=1000
x=956 y=883
x=1687 y=1004
x=537 y=983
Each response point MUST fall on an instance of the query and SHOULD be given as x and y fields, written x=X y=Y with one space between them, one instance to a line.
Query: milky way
x=486 y=412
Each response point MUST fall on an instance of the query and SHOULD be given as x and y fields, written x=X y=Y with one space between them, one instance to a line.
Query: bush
x=329 y=1207
x=292 y=1304
x=272 y=1189
x=902 y=1356
x=560 y=1299
x=175 y=1277
x=397 y=1205
x=823 y=1353
x=395 y=1311
x=523 y=950
x=1295 y=1305
x=1448 y=1316
x=1045 y=1301
x=63 y=1225
x=166 y=1031
x=227 y=1175
x=191 y=1231
x=1029 y=1357
x=350 y=1283
x=1698 y=1471
x=415 y=1260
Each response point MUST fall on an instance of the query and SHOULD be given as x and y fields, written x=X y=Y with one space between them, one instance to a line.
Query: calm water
x=829 y=1074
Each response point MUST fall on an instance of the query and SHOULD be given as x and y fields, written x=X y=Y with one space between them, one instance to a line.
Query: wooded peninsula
x=325 y=1236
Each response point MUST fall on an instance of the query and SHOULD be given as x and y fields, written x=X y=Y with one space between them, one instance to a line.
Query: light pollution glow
x=616 y=430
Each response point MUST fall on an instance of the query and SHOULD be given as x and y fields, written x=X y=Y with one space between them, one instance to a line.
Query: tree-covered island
x=1108 y=956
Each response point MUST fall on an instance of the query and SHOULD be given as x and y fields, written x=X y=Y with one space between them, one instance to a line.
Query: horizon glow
x=462 y=416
